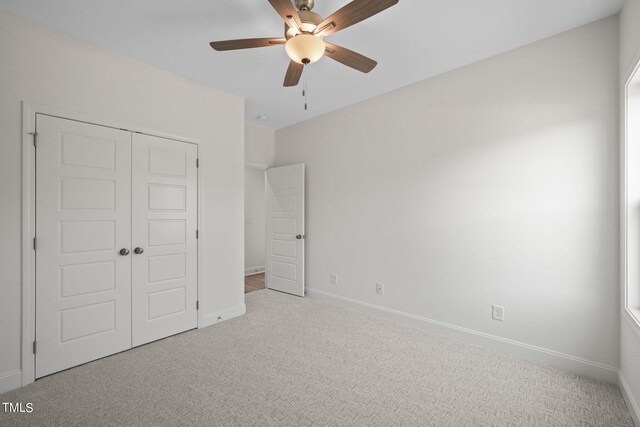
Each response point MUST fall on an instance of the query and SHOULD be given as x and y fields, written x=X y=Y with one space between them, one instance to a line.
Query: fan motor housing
x=309 y=22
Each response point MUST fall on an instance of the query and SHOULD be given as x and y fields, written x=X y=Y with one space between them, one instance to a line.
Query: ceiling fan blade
x=293 y=74
x=246 y=43
x=288 y=13
x=349 y=58
x=352 y=13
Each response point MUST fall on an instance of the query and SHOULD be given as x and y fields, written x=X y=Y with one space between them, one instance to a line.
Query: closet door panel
x=83 y=220
x=164 y=216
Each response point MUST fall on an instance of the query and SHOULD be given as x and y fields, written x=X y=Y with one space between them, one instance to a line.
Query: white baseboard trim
x=10 y=381
x=221 y=316
x=525 y=351
x=629 y=399
x=254 y=270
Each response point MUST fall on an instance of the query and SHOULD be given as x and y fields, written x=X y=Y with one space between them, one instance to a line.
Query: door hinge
x=197 y=234
x=197 y=305
x=35 y=246
x=35 y=138
x=197 y=163
x=35 y=347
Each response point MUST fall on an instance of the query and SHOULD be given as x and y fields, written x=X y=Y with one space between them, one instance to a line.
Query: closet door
x=83 y=224
x=164 y=215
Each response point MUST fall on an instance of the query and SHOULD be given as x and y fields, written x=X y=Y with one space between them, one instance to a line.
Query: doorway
x=274 y=229
x=254 y=229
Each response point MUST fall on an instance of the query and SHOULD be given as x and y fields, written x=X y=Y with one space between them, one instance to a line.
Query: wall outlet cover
x=497 y=312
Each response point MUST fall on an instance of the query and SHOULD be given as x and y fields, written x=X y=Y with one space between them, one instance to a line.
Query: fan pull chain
x=304 y=88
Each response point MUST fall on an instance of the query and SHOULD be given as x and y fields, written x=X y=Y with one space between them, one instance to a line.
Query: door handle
x=138 y=250
x=124 y=251
x=300 y=236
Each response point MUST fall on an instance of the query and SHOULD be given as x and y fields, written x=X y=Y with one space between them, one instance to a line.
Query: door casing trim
x=28 y=321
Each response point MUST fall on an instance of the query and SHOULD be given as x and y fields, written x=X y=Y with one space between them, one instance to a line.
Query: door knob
x=124 y=251
x=138 y=250
x=299 y=236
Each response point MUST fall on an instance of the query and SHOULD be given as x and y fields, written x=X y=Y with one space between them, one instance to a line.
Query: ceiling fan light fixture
x=305 y=48
x=304 y=33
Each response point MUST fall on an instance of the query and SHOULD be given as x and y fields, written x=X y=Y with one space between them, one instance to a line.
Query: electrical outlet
x=497 y=312
x=334 y=279
x=380 y=288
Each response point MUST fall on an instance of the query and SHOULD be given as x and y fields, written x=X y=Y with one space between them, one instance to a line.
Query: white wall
x=259 y=146
x=630 y=335
x=48 y=67
x=495 y=183
x=629 y=35
x=254 y=224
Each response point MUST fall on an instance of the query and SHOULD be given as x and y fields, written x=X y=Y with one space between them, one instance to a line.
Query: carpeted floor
x=298 y=362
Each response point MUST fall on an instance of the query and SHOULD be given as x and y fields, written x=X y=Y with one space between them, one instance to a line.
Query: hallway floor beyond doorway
x=252 y=283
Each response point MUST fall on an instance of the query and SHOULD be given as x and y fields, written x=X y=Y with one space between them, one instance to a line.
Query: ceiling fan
x=304 y=33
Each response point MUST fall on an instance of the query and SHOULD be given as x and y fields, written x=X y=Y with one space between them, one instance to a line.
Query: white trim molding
x=629 y=399
x=630 y=312
x=633 y=320
x=10 y=381
x=522 y=350
x=254 y=270
x=213 y=318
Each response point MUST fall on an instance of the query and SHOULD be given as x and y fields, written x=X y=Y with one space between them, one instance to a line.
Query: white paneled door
x=285 y=229
x=83 y=220
x=165 y=206
x=116 y=251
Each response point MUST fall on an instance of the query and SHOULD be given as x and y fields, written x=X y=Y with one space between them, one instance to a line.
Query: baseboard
x=629 y=399
x=221 y=316
x=254 y=270
x=525 y=351
x=10 y=381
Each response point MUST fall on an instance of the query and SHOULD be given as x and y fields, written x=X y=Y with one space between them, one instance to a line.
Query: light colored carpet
x=298 y=362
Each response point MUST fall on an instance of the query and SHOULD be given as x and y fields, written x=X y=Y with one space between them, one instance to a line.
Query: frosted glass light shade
x=305 y=48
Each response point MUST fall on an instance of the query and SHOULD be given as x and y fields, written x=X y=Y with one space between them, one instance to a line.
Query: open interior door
x=285 y=229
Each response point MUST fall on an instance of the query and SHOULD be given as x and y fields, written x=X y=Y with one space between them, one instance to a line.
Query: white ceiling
x=411 y=41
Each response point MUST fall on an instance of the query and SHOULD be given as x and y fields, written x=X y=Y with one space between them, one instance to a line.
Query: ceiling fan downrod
x=305 y=5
